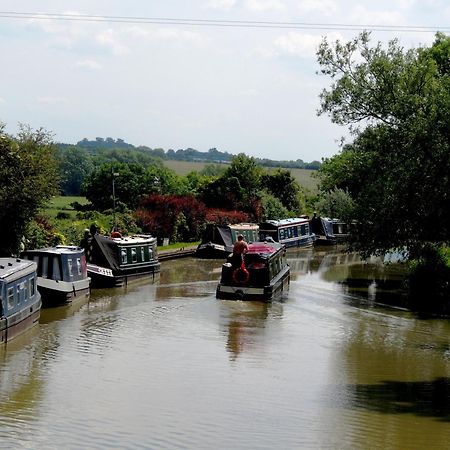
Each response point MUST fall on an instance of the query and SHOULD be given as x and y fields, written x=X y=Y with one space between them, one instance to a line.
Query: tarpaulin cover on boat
x=225 y=234
x=105 y=252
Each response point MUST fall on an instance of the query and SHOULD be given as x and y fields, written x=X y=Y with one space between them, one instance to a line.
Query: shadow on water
x=421 y=398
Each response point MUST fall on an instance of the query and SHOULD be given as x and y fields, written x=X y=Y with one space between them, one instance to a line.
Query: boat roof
x=244 y=226
x=284 y=222
x=135 y=239
x=58 y=250
x=266 y=248
x=12 y=268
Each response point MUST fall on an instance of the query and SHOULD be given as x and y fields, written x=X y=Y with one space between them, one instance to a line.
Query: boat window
x=20 y=292
x=56 y=271
x=26 y=290
x=32 y=286
x=79 y=266
x=11 y=298
x=44 y=272
x=70 y=263
x=150 y=253
x=281 y=232
x=142 y=254
x=123 y=254
x=133 y=255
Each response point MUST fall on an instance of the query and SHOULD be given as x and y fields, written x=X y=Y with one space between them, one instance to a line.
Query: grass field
x=304 y=177
x=62 y=204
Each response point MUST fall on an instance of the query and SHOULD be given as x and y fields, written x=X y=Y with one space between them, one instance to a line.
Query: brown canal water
x=165 y=365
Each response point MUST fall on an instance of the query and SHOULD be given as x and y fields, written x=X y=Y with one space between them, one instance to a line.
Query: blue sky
x=252 y=90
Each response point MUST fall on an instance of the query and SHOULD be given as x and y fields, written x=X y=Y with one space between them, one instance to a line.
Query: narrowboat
x=323 y=228
x=218 y=240
x=62 y=273
x=20 y=301
x=114 y=260
x=295 y=232
x=263 y=274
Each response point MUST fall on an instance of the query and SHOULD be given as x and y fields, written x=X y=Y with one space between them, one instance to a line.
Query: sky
x=166 y=85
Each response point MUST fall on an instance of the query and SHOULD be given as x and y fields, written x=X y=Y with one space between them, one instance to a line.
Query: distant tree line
x=189 y=154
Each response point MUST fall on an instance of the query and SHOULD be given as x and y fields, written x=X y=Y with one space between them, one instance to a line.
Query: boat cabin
x=113 y=260
x=62 y=273
x=218 y=240
x=295 y=232
x=20 y=301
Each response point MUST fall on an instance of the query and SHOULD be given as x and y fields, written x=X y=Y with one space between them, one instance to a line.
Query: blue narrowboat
x=263 y=274
x=20 y=301
x=295 y=232
x=62 y=273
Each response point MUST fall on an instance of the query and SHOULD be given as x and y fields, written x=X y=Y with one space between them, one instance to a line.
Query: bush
x=429 y=281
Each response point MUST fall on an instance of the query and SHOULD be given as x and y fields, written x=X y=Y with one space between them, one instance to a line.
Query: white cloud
x=51 y=100
x=2 y=101
x=88 y=64
x=364 y=16
x=264 y=5
x=109 y=39
x=301 y=44
x=325 y=7
x=223 y=5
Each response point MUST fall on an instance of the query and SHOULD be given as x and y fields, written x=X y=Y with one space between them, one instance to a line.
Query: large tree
x=397 y=168
x=28 y=179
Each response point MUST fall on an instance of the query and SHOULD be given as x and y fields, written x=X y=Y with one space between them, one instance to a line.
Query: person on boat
x=240 y=248
x=85 y=241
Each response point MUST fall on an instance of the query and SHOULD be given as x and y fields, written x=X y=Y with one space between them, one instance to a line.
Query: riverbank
x=174 y=253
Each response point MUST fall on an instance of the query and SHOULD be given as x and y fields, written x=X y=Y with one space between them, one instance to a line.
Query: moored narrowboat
x=113 y=261
x=20 y=301
x=217 y=240
x=324 y=230
x=262 y=275
x=295 y=232
x=62 y=273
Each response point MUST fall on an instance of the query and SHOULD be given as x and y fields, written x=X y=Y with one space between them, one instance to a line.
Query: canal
x=164 y=365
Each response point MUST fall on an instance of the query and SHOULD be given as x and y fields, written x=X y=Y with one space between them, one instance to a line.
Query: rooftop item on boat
x=62 y=273
x=295 y=232
x=218 y=240
x=262 y=275
x=113 y=261
x=20 y=301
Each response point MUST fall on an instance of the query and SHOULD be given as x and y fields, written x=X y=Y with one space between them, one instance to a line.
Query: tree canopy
x=28 y=178
x=396 y=169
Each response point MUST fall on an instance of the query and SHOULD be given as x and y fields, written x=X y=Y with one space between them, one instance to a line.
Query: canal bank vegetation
x=131 y=191
x=396 y=171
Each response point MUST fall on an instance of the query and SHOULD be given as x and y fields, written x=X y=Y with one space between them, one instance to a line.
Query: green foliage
x=273 y=209
x=396 y=170
x=282 y=185
x=74 y=165
x=28 y=178
x=429 y=281
x=336 y=203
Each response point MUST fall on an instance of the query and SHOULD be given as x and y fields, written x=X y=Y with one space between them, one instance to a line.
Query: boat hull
x=104 y=277
x=18 y=323
x=61 y=292
x=212 y=251
x=273 y=291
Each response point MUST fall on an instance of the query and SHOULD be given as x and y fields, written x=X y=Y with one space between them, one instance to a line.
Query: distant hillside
x=211 y=156
x=305 y=177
